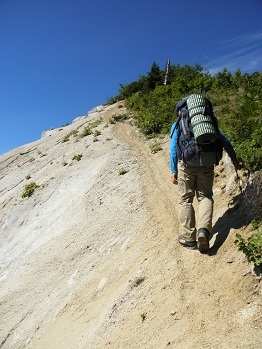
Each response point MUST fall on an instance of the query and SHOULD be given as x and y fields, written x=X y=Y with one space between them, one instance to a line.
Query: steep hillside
x=91 y=259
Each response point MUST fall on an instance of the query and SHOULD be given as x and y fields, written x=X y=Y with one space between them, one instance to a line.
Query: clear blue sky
x=61 y=58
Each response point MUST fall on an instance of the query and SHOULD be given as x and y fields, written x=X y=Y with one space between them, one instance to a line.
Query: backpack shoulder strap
x=177 y=125
x=181 y=104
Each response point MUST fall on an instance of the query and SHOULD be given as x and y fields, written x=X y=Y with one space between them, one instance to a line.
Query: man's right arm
x=228 y=147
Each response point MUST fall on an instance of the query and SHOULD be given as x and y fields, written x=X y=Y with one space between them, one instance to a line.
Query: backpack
x=198 y=142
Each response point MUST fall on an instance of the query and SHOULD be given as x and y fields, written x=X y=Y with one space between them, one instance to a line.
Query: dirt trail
x=117 y=277
x=189 y=300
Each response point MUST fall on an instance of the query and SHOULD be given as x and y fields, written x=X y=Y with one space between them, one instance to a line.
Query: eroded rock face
x=80 y=212
x=52 y=132
x=252 y=198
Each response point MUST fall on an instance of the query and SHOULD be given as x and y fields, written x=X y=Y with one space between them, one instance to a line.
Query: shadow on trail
x=233 y=218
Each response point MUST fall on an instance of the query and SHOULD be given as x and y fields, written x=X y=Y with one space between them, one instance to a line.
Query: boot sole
x=202 y=243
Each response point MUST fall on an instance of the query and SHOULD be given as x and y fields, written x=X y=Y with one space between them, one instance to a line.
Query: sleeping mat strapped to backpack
x=198 y=142
x=200 y=114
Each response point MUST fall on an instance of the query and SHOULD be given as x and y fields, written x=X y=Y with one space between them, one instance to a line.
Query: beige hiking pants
x=195 y=181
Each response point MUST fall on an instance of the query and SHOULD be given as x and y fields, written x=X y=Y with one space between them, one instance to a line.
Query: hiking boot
x=191 y=245
x=203 y=240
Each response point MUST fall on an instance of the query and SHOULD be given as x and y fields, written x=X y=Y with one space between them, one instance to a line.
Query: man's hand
x=174 y=178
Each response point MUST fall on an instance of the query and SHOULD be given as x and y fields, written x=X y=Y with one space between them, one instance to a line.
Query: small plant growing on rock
x=96 y=123
x=41 y=154
x=97 y=133
x=29 y=189
x=118 y=117
x=155 y=148
x=251 y=247
x=67 y=137
x=138 y=281
x=77 y=157
x=122 y=171
x=28 y=177
x=143 y=317
x=86 y=132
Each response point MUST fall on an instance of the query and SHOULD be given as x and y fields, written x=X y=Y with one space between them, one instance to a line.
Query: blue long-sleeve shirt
x=173 y=151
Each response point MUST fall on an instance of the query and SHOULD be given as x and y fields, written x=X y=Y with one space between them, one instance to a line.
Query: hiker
x=192 y=168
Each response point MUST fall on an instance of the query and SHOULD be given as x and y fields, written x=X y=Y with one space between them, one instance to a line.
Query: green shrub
x=41 y=154
x=255 y=224
x=251 y=247
x=143 y=316
x=67 y=137
x=155 y=148
x=86 y=132
x=242 y=125
x=97 y=133
x=138 y=281
x=29 y=189
x=122 y=171
x=96 y=123
x=77 y=157
x=153 y=111
x=118 y=117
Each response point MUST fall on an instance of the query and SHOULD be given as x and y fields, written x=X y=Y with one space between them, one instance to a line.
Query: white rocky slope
x=91 y=260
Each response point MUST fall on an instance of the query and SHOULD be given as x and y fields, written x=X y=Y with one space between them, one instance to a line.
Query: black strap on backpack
x=181 y=116
x=183 y=126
